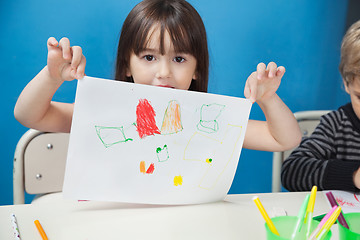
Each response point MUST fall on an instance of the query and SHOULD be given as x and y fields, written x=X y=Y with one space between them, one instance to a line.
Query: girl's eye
x=179 y=59
x=149 y=58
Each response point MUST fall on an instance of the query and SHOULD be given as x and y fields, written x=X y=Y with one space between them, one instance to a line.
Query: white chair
x=39 y=164
x=308 y=120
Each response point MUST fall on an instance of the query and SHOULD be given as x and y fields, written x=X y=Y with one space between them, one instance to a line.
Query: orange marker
x=40 y=229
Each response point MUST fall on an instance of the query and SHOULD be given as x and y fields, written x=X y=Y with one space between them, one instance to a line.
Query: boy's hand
x=64 y=62
x=357 y=178
x=263 y=83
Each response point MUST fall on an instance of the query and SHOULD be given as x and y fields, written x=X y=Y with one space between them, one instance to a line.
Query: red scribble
x=151 y=169
x=356 y=197
x=343 y=202
x=145 y=119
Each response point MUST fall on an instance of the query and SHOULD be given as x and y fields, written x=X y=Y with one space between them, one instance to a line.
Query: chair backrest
x=39 y=163
x=308 y=120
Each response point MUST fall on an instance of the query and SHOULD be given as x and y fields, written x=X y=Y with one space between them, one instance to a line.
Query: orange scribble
x=142 y=166
x=172 y=119
x=150 y=169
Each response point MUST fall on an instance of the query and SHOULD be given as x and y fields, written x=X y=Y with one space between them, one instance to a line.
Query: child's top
x=329 y=157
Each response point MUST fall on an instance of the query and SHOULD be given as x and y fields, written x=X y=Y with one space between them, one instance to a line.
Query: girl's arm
x=280 y=131
x=34 y=108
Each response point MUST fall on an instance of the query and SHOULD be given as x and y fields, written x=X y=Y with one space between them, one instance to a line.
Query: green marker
x=301 y=216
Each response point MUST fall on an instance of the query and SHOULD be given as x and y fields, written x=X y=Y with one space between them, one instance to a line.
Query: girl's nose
x=164 y=70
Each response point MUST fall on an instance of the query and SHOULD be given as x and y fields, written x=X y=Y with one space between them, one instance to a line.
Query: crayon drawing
x=343 y=202
x=208 y=115
x=356 y=197
x=219 y=161
x=142 y=167
x=172 y=119
x=162 y=153
x=150 y=169
x=348 y=201
x=178 y=180
x=152 y=145
x=111 y=135
x=145 y=119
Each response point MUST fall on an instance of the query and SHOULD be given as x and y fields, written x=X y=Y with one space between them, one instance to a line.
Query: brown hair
x=180 y=20
x=350 y=54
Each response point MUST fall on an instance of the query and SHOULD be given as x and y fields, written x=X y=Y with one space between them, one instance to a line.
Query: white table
x=237 y=217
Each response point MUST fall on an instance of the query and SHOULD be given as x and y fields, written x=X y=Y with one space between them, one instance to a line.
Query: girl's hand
x=65 y=63
x=263 y=83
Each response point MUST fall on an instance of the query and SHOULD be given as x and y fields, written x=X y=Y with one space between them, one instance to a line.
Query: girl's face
x=173 y=69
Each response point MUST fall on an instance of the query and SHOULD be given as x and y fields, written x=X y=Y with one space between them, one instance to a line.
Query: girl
x=162 y=43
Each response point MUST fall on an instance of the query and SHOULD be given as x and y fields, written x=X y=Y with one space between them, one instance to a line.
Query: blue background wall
x=304 y=36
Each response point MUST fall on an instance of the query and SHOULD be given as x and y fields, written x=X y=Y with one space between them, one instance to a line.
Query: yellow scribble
x=178 y=180
x=208 y=160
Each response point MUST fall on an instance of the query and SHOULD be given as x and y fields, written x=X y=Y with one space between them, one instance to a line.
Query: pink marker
x=322 y=222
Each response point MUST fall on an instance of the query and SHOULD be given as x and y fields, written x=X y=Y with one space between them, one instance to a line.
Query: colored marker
x=310 y=210
x=311 y=204
x=333 y=203
x=40 y=229
x=301 y=216
x=326 y=227
x=15 y=226
x=321 y=224
x=265 y=215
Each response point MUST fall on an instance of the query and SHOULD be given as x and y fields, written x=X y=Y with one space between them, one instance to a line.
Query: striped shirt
x=329 y=157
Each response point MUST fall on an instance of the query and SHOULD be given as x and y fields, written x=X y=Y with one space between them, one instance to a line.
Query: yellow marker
x=266 y=216
x=311 y=204
x=309 y=211
x=327 y=225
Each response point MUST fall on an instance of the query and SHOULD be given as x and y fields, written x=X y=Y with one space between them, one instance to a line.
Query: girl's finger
x=247 y=90
x=52 y=42
x=80 y=72
x=261 y=68
x=252 y=84
x=272 y=69
x=280 y=71
x=64 y=44
x=73 y=73
x=76 y=56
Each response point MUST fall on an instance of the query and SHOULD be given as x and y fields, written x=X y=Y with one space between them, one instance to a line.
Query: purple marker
x=333 y=203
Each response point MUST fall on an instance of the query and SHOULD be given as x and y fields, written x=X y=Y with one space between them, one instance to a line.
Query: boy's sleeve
x=313 y=163
x=339 y=175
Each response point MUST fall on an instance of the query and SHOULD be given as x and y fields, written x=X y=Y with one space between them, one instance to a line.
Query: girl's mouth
x=166 y=86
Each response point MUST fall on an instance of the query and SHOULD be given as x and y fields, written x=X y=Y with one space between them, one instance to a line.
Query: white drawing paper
x=349 y=202
x=145 y=144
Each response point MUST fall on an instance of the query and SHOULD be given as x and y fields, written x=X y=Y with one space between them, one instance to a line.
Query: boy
x=330 y=157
